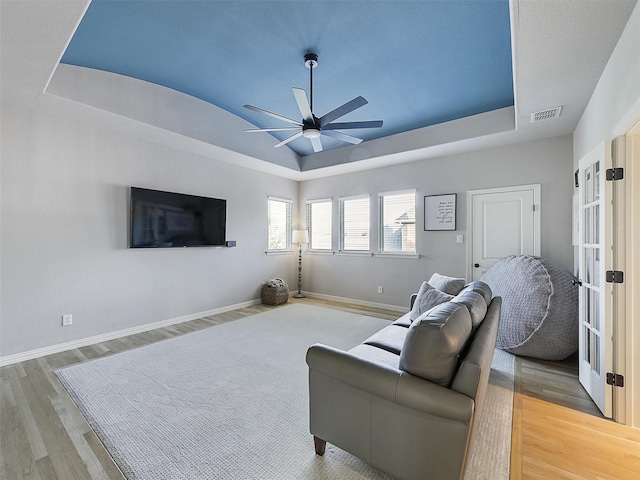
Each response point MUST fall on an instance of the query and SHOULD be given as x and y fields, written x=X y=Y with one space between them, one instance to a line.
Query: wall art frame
x=440 y=212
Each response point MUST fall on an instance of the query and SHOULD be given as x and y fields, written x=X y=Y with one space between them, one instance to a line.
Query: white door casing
x=502 y=221
x=594 y=259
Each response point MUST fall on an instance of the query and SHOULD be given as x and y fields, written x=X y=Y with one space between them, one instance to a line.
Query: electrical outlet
x=380 y=289
x=67 y=320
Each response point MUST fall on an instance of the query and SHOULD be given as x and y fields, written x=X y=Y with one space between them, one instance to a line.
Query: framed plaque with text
x=440 y=212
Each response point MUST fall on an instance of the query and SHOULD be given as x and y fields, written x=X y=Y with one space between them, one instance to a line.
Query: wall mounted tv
x=166 y=219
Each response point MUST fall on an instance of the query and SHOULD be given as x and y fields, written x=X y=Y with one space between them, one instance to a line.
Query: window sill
x=354 y=253
x=279 y=252
x=413 y=256
x=320 y=252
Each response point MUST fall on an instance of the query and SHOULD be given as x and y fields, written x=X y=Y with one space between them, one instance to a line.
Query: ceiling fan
x=312 y=127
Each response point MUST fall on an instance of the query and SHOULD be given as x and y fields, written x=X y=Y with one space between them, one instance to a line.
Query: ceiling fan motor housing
x=310 y=60
x=311 y=130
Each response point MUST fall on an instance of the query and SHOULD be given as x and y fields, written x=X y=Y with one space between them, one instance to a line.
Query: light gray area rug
x=231 y=402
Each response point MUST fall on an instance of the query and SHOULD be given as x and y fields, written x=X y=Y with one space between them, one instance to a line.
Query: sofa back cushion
x=434 y=341
x=428 y=297
x=476 y=305
x=481 y=288
x=472 y=375
x=450 y=285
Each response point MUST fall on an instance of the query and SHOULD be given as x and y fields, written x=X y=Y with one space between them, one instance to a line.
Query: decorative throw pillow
x=428 y=297
x=445 y=284
x=434 y=341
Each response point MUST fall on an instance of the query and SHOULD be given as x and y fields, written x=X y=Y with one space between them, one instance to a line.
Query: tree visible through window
x=354 y=224
x=319 y=224
x=279 y=213
x=397 y=226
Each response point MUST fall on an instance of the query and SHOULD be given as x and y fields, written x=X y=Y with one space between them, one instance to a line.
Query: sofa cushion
x=450 y=285
x=404 y=320
x=433 y=342
x=476 y=305
x=428 y=297
x=390 y=338
x=481 y=288
x=375 y=355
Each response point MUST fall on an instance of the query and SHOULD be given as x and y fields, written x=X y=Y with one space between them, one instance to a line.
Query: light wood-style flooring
x=557 y=431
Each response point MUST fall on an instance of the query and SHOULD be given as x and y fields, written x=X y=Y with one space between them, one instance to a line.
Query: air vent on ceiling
x=545 y=114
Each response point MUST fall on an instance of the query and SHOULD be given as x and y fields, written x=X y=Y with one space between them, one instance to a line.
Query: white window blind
x=319 y=224
x=279 y=213
x=397 y=225
x=355 y=223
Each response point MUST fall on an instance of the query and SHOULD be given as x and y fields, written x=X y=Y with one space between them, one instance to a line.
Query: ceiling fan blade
x=342 y=136
x=347 y=125
x=317 y=144
x=289 y=139
x=342 y=110
x=275 y=129
x=303 y=104
x=271 y=114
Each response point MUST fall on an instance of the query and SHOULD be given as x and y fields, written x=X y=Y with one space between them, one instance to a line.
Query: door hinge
x=614 y=276
x=615 y=173
x=615 y=379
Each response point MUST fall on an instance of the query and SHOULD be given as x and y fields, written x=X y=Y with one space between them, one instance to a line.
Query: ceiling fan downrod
x=311 y=62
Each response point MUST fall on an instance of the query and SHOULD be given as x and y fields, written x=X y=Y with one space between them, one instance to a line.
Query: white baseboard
x=61 y=347
x=394 y=308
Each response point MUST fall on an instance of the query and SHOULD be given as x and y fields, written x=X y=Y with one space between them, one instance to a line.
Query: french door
x=595 y=254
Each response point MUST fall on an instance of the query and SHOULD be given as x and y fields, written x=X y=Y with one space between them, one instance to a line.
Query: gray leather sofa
x=406 y=400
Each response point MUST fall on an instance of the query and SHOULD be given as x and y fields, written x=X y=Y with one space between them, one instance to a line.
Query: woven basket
x=275 y=292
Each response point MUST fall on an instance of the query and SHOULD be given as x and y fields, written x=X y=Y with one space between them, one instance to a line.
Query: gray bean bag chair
x=539 y=307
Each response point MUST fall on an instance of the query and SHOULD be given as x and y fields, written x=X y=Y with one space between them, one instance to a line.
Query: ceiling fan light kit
x=312 y=127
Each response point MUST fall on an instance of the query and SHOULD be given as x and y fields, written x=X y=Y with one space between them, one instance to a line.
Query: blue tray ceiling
x=418 y=63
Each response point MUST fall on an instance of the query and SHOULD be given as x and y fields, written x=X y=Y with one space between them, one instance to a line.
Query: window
x=279 y=224
x=354 y=223
x=319 y=222
x=397 y=223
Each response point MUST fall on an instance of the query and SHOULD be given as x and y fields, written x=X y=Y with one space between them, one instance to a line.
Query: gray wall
x=547 y=162
x=65 y=225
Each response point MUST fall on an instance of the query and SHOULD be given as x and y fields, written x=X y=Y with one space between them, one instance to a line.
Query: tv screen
x=166 y=219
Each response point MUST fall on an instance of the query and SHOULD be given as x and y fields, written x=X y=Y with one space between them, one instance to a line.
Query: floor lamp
x=300 y=237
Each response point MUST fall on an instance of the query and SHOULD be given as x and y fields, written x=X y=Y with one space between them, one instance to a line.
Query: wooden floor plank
x=45 y=468
x=108 y=465
x=65 y=458
x=36 y=444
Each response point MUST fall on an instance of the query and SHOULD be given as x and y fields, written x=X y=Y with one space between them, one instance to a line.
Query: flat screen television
x=166 y=219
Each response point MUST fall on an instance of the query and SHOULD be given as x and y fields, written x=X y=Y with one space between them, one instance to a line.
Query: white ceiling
x=560 y=48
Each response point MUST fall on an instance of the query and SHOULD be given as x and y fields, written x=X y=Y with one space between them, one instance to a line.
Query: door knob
x=576 y=282
x=477 y=265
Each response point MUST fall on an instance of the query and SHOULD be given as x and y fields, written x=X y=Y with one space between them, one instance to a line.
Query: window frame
x=309 y=219
x=288 y=248
x=381 y=232
x=341 y=229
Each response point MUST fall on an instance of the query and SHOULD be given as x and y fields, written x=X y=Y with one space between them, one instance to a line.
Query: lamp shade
x=300 y=236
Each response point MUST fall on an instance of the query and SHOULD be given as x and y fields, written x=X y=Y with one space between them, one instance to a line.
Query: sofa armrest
x=393 y=385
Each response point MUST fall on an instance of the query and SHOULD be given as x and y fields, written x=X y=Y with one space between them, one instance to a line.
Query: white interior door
x=595 y=293
x=504 y=221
